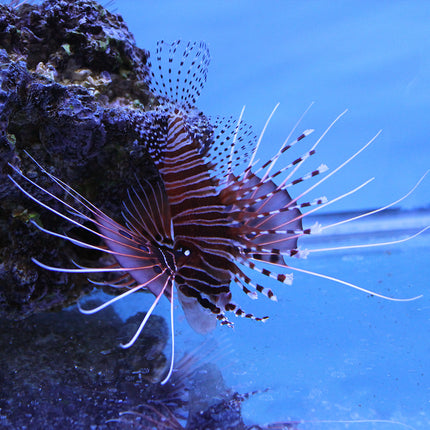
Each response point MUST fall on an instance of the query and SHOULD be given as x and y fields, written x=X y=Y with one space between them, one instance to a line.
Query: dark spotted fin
x=179 y=72
x=233 y=143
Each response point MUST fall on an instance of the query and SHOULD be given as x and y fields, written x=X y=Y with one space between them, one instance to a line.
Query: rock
x=73 y=95
x=64 y=370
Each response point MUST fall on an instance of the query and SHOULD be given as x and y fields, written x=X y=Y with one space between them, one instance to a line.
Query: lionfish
x=215 y=212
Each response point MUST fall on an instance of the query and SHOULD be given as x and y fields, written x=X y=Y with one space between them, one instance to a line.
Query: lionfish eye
x=184 y=251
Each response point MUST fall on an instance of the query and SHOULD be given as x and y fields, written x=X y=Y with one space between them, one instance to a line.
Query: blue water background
x=372 y=58
x=328 y=352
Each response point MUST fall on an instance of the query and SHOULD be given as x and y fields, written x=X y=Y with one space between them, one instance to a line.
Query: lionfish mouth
x=216 y=212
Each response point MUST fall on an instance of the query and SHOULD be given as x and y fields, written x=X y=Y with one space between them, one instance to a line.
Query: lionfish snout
x=215 y=214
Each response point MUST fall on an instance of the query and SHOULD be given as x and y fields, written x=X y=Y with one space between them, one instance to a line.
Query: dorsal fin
x=179 y=72
x=178 y=75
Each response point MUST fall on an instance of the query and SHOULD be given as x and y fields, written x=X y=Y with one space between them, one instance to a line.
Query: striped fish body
x=201 y=225
x=215 y=221
x=214 y=227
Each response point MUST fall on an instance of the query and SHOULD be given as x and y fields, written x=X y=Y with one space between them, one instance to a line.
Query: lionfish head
x=214 y=214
